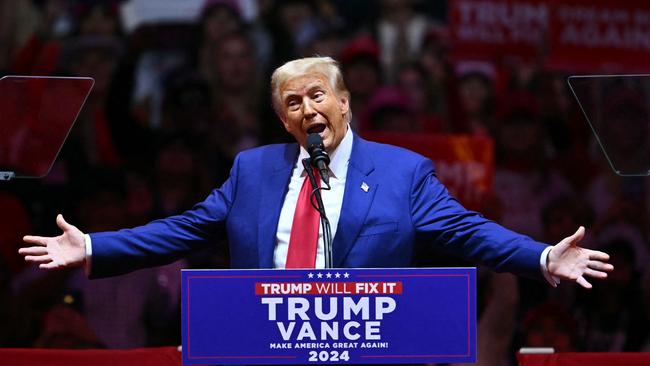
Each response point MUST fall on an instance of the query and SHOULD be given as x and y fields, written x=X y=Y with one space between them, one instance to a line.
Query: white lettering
x=297 y=306
x=348 y=334
x=361 y=307
x=329 y=329
x=271 y=302
x=372 y=331
x=286 y=332
x=318 y=308
x=384 y=305
x=306 y=331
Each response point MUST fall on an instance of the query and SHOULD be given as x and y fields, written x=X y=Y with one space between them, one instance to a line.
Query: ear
x=344 y=103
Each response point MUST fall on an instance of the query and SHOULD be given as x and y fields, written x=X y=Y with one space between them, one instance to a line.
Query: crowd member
x=236 y=92
x=360 y=64
x=390 y=110
x=60 y=20
x=619 y=323
x=524 y=181
x=93 y=139
x=434 y=59
x=550 y=325
x=413 y=80
x=475 y=107
x=400 y=31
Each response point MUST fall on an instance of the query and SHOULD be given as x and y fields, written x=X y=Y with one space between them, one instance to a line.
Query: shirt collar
x=339 y=158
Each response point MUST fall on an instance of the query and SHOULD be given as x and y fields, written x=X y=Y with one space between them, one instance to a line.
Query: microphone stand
x=325 y=224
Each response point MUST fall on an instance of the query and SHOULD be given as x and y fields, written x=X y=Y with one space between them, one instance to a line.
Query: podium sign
x=355 y=316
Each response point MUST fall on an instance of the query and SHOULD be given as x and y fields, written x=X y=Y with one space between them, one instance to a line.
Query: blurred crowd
x=174 y=102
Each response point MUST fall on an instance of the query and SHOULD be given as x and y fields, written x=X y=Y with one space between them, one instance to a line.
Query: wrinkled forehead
x=303 y=84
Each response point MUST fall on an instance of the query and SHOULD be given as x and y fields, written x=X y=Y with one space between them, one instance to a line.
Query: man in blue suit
x=384 y=203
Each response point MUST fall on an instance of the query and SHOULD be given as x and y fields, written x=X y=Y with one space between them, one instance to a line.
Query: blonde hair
x=326 y=66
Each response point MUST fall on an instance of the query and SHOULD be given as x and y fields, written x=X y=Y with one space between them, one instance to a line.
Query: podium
x=36 y=115
x=328 y=316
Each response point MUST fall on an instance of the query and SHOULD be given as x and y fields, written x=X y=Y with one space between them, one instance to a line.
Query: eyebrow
x=310 y=87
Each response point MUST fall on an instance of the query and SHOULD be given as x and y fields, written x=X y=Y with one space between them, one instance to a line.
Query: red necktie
x=304 y=229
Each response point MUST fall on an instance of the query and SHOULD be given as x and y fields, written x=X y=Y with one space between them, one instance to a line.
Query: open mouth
x=316 y=128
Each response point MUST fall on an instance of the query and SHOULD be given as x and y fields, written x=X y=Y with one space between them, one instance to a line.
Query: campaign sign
x=355 y=316
x=464 y=163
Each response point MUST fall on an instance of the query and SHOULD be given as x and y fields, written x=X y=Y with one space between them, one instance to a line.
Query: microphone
x=318 y=155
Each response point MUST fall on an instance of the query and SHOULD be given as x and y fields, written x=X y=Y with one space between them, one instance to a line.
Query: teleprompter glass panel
x=616 y=107
x=36 y=115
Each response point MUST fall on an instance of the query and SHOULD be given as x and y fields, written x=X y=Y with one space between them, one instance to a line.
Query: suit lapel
x=273 y=190
x=360 y=190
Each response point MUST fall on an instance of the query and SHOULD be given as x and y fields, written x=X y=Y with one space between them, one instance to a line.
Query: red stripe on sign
x=329 y=288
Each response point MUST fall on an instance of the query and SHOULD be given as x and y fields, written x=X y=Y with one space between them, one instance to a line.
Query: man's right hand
x=63 y=251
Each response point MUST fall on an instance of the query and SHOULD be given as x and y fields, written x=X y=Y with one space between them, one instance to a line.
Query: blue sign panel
x=326 y=316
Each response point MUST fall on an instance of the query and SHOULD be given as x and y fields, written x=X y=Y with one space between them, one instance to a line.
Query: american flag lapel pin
x=364 y=187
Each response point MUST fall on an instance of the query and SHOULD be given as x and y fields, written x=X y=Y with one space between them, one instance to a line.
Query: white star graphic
x=337 y=275
x=310 y=275
x=319 y=275
x=346 y=275
x=328 y=275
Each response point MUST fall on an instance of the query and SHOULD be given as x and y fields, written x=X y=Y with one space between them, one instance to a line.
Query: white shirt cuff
x=89 y=253
x=552 y=280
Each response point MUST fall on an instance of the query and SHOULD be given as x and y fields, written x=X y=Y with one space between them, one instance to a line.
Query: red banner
x=465 y=164
x=600 y=36
x=588 y=36
x=492 y=28
x=328 y=288
x=164 y=356
x=591 y=359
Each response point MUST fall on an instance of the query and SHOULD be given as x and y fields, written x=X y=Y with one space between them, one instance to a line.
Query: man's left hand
x=568 y=261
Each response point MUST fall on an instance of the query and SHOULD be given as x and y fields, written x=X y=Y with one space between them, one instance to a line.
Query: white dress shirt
x=332 y=200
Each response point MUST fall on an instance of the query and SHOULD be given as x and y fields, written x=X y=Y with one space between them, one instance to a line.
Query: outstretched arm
x=63 y=251
x=568 y=261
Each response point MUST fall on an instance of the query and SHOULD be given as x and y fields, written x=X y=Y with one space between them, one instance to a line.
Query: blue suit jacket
x=405 y=206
